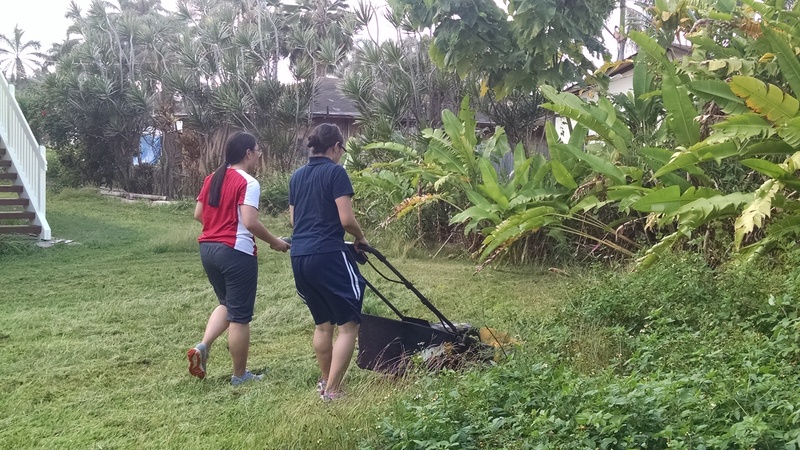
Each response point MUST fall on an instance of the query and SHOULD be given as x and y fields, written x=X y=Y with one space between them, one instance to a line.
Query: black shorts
x=234 y=276
x=331 y=286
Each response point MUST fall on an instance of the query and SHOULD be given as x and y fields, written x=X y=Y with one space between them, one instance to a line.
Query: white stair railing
x=27 y=156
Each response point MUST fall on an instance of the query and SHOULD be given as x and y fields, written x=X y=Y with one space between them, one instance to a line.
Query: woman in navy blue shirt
x=326 y=277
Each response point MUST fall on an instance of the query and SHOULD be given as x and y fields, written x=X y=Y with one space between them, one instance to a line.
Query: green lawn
x=93 y=338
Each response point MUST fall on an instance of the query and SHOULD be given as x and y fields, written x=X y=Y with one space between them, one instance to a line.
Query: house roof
x=674 y=51
x=620 y=68
x=330 y=102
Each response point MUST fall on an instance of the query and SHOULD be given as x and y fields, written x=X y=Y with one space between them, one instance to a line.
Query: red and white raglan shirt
x=224 y=223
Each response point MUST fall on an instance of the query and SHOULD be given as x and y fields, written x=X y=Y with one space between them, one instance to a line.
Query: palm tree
x=321 y=33
x=18 y=56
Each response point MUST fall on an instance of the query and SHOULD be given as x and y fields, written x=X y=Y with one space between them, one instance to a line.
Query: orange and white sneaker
x=198 y=356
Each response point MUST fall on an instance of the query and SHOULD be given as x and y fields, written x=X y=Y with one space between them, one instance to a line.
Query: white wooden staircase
x=22 y=172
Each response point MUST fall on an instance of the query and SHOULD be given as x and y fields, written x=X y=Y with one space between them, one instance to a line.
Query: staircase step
x=14 y=202
x=11 y=188
x=8 y=176
x=5 y=163
x=20 y=229
x=17 y=215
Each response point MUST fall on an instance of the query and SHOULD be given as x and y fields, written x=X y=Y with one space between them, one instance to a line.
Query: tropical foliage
x=533 y=41
x=647 y=160
x=17 y=56
x=189 y=76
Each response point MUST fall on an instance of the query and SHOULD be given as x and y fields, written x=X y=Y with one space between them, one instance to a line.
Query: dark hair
x=324 y=136
x=236 y=148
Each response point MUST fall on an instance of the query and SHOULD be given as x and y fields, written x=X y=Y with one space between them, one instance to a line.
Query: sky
x=41 y=20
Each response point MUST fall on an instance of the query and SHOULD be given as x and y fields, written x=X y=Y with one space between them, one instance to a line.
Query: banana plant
x=771 y=127
x=458 y=169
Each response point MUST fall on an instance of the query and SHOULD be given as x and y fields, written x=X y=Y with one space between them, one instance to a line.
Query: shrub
x=677 y=287
x=275 y=192
x=711 y=363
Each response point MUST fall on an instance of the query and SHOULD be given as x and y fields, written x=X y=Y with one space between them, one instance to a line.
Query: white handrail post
x=45 y=234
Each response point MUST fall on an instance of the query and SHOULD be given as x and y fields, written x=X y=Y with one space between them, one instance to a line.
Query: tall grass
x=93 y=338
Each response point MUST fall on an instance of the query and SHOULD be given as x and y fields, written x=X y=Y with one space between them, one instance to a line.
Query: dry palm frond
x=409 y=204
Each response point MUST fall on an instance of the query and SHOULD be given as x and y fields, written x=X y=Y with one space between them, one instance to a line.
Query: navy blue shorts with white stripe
x=331 y=286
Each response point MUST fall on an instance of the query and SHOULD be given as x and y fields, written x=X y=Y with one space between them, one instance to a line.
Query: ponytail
x=216 y=185
x=236 y=148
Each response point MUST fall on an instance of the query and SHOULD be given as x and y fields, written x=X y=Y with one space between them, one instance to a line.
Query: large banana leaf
x=787 y=59
x=400 y=148
x=680 y=108
x=720 y=92
x=671 y=202
x=780 y=229
x=642 y=82
x=474 y=215
x=439 y=152
x=703 y=41
x=540 y=174
x=681 y=111
x=767 y=168
x=522 y=166
x=462 y=137
x=561 y=174
x=690 y=158
x=593 y=118
x=578 y=136
x=774 y=171
x=626 y=196
x=467 y=116
x=705 y=209
x=443 y=151
x=656 y=158
x=766 y=99
x=742 y=126
x=768 y=147
x=598 y=164
x=588 y=203
x=513 y=228
x=653 y=49
x=557 y=153
x=790 y=132
x=490 y=185
x=756 y=211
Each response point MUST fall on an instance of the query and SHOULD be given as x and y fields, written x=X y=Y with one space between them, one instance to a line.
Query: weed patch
x=662 y=359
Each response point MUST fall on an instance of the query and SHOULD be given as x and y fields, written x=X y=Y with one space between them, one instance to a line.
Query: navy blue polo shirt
x=313 y=190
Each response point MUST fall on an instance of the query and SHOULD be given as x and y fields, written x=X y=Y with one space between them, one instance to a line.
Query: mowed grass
x=93 y=337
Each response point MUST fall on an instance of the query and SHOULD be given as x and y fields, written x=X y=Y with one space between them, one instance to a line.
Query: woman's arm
x=348 y=219
x=198 y=212
x=250 y=219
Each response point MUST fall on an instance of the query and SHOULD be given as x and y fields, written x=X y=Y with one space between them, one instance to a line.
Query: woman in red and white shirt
x=228 y=209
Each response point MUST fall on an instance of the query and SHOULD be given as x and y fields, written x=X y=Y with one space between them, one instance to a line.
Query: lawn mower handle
x=371 y=250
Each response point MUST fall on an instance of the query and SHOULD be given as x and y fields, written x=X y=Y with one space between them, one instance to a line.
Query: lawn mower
x=392 y=346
